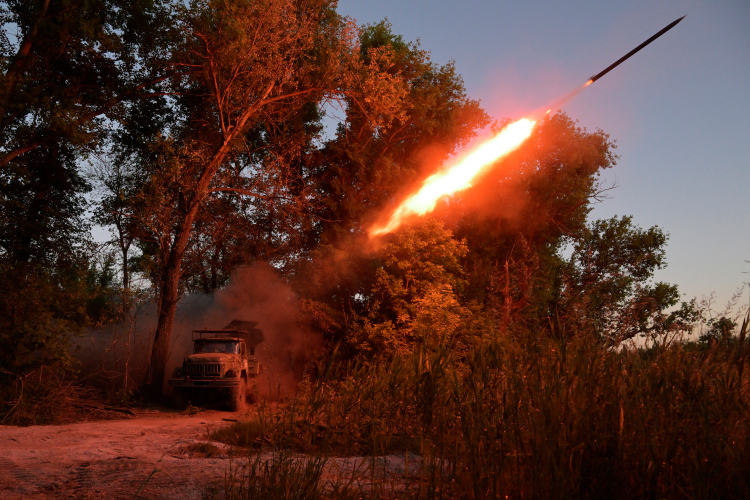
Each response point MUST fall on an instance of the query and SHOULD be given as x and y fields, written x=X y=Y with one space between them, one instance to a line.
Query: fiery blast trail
x=459 y=176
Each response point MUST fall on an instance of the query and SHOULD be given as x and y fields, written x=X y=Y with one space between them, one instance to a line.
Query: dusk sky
x=679 y=109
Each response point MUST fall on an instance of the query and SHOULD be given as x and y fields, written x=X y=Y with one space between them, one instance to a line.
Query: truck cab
x=222 y=362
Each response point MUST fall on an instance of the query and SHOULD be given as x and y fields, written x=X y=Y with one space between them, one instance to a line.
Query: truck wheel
x=237 y=396
x=178 y=399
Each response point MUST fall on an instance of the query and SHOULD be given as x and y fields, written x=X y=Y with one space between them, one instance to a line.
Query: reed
x=549 y=418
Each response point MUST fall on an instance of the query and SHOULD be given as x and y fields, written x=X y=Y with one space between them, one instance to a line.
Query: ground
x=159 y=453
x=155 y=454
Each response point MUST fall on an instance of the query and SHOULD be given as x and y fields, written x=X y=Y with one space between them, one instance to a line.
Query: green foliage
x=517 y=220
x=64 y=67
x=362 y=169
x=39 y=314
x=718 y=330
x=420 y=260
x=514 y=228
x=607 y=284
x=41 y=208
x=43 y=312
x=364 y=166
x=67 y=64
x=414 y=296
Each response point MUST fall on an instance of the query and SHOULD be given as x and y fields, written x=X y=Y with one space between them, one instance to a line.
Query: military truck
x=223 y=363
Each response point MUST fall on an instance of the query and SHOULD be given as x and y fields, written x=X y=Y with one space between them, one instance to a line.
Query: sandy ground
x=114 y=458
x=150 y=456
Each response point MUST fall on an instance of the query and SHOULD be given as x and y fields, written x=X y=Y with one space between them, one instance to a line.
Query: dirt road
x=156 y=453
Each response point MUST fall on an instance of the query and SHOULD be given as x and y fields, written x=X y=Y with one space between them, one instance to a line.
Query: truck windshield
x=223 y=347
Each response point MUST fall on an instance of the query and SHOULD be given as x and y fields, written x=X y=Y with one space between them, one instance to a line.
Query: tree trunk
x=124 y=243
x=170 y=294
x=125 y=273
x=214 y=269
x=168 y=298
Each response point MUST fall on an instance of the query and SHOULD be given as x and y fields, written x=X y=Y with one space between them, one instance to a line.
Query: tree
x=364 y=168
x=517 y=219
x=115 y=185
x=607 y=289
x=67 y=66
x=415 y=296
x=249 y=67
x=44 y=257
x=521 y=220
x=718 y=330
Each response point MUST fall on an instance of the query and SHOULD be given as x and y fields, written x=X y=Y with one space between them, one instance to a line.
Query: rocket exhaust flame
x=459 y=176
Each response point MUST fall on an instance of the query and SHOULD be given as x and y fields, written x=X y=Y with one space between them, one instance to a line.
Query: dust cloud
x=120 y=353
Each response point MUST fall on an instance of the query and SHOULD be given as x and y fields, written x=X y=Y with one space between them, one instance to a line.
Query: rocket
x=459 y=176
x=629 y=54
x=612 y=66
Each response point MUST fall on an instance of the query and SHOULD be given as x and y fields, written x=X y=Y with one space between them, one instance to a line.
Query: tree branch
x=18 y=66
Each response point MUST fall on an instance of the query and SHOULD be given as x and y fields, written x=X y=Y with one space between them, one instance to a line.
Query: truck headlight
x=178 y=372
x=231 y=374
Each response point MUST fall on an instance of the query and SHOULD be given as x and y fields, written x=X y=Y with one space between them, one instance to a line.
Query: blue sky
x=679 y=109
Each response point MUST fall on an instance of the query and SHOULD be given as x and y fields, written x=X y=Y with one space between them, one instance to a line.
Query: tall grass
x=543 y=419
x=284 y=476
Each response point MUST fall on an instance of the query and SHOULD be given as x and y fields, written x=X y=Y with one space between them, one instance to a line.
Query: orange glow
x=459 y=176
x=589 y=83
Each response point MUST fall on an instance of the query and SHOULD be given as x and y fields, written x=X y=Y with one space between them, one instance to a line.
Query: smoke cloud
x=255 y=293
